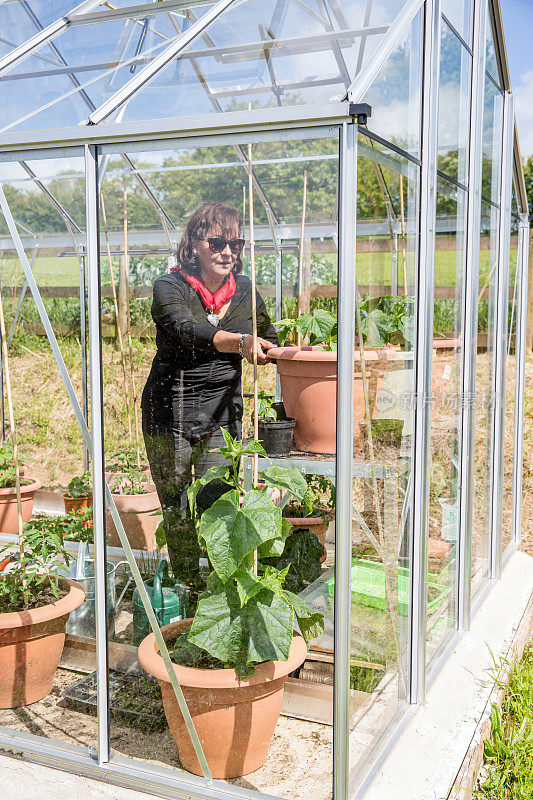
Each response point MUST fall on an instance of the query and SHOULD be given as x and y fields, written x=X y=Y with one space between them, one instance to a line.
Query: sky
x=518 y=26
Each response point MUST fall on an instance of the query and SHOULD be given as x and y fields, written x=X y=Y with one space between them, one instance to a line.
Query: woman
x=203 y=316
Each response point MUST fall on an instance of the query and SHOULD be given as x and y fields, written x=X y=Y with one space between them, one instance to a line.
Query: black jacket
x=192 y=387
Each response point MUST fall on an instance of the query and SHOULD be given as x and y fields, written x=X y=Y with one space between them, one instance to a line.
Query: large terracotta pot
x=137 y=514
x=309 y=390
x=77 y=503
x=31 y=643
x=8 y=505
x=234 y=718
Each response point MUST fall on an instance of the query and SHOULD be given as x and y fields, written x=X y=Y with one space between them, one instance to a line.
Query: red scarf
x=212 y=301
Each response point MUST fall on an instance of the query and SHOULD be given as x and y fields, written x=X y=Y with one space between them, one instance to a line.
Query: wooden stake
x=12 y=425
x=128 y=328
x=301 y=259
x=254 y=306
x=119 y=332
x=404 y=253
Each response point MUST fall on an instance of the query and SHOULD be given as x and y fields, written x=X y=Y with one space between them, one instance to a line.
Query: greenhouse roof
x=106 y=70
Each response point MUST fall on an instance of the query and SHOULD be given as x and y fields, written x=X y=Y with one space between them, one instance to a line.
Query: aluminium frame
x=229 y=127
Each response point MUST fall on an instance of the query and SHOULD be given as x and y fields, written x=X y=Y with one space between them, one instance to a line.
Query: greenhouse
x=382 y=227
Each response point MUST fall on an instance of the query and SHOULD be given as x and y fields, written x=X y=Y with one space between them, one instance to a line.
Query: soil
x=39 y=598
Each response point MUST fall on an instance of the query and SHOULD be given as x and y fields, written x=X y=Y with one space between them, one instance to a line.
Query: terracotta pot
x=31 y=643
x=234 y=718
x=8 y=505
x=437 y=548
x=77 y=503
x=309 y=389
x=136 y=513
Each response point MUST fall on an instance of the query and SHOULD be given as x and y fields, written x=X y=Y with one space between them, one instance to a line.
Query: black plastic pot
x=276 y=435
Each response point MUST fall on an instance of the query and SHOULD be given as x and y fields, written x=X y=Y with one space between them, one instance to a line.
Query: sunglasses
x=217 y=244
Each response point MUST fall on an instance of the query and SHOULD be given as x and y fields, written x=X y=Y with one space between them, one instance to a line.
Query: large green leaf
x=248 y=585
x=231 y=531
x=275 y=547
x=218 y=626
x=376 y=328
x=311 y=623
x=270 y=623
x=290 y=480
x=260 y=630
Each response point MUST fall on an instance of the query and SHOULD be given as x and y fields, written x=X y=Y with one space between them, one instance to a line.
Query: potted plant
x=232 y=659
x=8 y=493
x=274 y=429
x=136 y=501
x=79 y=493
x=318 y=510
x=309 y=374
x=34 y=608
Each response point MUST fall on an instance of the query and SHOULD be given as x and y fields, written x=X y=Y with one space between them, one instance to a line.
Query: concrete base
x=22 y=780
x=436 y=754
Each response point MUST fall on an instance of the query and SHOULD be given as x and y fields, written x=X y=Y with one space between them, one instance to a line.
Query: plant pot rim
x=310 y=354
x=81 y=497
x=24 y=488
x=34 y=616
x=151 y=490
x=311 y=520
x=151 y=661
x=289 y=422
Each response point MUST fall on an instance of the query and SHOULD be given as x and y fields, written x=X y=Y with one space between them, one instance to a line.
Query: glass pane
x=19 y=21
x=50 y=442
x=85 y=70
x=189 y=392
x=305 y=54
x=386 y=268
x=308 y=59
x=445 y=414
x=492 y=141
x=484 y=392
x=459 y=13
x=454 y=104
x=491 y=64
x=395 y=94
x=510 y=386
x=34 y=210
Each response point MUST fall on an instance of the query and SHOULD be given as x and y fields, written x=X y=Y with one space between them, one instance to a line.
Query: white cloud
x=524 y=113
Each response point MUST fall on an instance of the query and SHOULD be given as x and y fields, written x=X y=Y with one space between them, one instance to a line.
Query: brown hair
x=207 y=216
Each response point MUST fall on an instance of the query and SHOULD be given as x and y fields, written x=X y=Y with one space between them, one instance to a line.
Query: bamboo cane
x=301 y=255
x=128 y=328
x=254 y=306
x=404 y=253
x=12 y=426
x=119 y=332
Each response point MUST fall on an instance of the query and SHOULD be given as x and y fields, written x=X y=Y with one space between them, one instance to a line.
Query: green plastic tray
x=368 y=586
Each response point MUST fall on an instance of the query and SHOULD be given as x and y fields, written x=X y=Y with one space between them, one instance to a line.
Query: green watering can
x=169 y=599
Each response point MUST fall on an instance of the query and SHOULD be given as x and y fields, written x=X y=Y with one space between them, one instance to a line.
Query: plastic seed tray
x=368 y=587
x=135 y=698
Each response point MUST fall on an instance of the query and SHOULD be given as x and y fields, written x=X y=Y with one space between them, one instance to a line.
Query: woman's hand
x=262 y=346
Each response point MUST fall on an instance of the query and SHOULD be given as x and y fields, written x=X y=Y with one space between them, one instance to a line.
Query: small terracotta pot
x=309 y=389
x=8 y=505
x=136 y=513
x=234 y=718
x=31 y=643
x=437 y=548
x=77 y=503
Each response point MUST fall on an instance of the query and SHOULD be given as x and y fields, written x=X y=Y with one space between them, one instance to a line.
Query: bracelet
x=241 y=344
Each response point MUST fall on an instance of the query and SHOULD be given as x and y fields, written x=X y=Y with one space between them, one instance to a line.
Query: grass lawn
x=508 y=756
